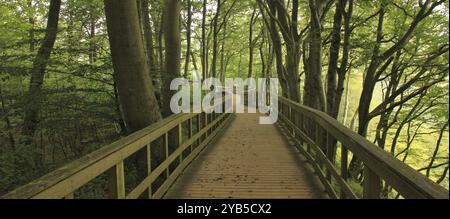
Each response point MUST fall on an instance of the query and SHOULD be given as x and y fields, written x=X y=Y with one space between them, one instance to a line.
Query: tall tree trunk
x=137 y=98
x=292 y=41
x=263 y=60
x=270 y=60
x=148 y=39
x=277 y=47
x=347 y=101
x=4 y=114
x=161 y=46
x=333 y=59
x=136 y=93
x=31 y=21
x=251 y=45
x=331 y=75
x=204 y=49
x=118 y=109
x=292 y=70
x=215 y=39
x=344 y=68
x=194 y=62
x=92 y=35
x=222 y=53
x=293 y=53
x=314 y=93
x=35 y=95
x=188 y=38
x=356 y=165
x=71 y=38
x=173 y=50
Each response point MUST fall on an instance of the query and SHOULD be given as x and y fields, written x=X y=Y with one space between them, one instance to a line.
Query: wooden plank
x=117 y=181
x=223 y=170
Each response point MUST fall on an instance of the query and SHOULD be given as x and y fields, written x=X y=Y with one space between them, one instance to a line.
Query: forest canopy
x=68 y=72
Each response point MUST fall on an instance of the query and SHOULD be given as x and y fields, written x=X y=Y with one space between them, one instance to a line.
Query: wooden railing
x=312 y=131
x=315 y=133
x=194 y=132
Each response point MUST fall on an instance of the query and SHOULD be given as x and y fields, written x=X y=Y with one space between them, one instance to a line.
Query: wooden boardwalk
x=244 y=160
x=249 y=161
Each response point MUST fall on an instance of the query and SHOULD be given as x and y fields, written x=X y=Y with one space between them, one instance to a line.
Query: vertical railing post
x=180 y=140
x=372 y=184
x=292 y=110
x=190 y=133
x=300 y=126
x=166 y=147
x=213 y=118
x=306 y=124
x=199 y=124
x=331 y=149
x=289 y=116
x=206 y=124
x=203 y=119
x=319 y=141
x=280 y=108
x=117 y=181
x=344 y=167
x=330 y=144
x=148 y=163
x=294 y=122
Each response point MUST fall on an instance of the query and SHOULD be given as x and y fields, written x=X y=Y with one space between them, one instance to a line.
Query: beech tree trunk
x=92 y=36
x=137 y=98
x=31 y=21
x=148 y=39
x=215 y=40
x=188 y=38
x=204 y=49
x=136 y=93
x=277 y=46
x=314 y=93
x=333 y=60
x=251 y=44
x=35 y=96
x=222 y=52
x=173 y=51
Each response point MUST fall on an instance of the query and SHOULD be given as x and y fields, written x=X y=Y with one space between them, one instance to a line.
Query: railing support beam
x=117 y=181
x=372 y=184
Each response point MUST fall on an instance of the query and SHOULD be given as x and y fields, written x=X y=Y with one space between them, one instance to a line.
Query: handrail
x=379 y=165
x=310 y=129
x=63 y=182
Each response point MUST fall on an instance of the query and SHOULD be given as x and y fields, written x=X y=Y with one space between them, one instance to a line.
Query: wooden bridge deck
x=248 y=161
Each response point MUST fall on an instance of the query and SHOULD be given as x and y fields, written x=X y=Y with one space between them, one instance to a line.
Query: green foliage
x=81 y=110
